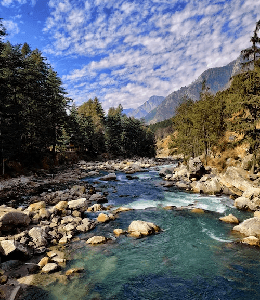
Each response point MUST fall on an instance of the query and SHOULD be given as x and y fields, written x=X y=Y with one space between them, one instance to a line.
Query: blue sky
x=126 y=51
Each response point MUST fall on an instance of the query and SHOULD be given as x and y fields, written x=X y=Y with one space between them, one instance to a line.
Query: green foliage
x=199 y=125
x=254 y=50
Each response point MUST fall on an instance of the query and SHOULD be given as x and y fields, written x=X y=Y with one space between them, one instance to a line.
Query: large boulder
x=13 y=248
x=235 y=179
x=10 y=218
x=211 y=186
x=249 y=227
x=39 y=236
x=250 y=199
x=195 y=167
x=79 y=204
x=166 y=170
x=141 y=228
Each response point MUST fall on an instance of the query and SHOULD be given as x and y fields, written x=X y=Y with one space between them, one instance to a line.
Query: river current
x=196 y=256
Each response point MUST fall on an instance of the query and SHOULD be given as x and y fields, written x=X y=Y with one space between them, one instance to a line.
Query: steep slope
x=148 y=106
x=216 y=79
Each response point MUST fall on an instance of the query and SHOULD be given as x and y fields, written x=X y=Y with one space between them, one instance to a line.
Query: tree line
x=38 y=120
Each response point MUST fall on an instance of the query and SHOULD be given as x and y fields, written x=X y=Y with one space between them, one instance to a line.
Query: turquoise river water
x=195 y=256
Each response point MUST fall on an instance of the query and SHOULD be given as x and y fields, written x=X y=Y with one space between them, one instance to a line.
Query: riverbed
x=196 y=256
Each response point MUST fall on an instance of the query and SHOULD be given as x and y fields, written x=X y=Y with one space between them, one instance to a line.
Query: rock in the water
x=230 y=219
x=118 y=231
x=251 y=240
x=95 y=207
x=11 y=247
x=141 y=228
x=96 y=240
x=197 y=210
x=10 y=218
x=121 y=209
x=39 y=236
x=74 y=271
x=103 y=218
x=50 y=267
x=257 y=214
x=109 y=177
x=249 y=227
x=43 y=262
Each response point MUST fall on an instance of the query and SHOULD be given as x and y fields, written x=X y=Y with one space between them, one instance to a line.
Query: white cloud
x=11 y=27
x=144 y=48
x=15 y=2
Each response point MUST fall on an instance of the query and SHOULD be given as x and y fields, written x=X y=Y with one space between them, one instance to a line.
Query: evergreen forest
x=39 y=125
x=225 y=120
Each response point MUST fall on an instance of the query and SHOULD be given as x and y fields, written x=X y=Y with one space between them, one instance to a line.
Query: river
x=195 y=256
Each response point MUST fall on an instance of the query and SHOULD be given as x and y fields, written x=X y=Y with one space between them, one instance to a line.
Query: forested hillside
x=226 y=120
x=38 y=124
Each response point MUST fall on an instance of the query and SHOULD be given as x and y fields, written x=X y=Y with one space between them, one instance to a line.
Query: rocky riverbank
x=51 y=211
x=48 y=212
x=236 y=181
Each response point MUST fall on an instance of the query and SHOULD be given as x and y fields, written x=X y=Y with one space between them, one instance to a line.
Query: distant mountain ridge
x=144 y=109
x=217 y=79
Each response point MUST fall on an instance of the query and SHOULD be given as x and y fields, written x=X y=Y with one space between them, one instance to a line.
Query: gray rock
x=235 y=177
x=211 y=187
x=167 y=170
x=79 y=204
x=98 y=197
x=195 y=167
x=39 y=236
x=249 y=227
x=11 y=218
x=11 y=247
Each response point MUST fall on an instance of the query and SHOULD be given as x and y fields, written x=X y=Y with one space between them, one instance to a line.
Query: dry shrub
x=228 y=158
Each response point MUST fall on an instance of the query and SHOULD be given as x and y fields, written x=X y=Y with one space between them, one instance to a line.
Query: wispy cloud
x=15 y=2
x=134 y=50
x=11 y=27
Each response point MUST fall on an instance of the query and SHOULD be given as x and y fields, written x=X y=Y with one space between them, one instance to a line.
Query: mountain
x=217 y=79
x=128 y=111
x=149 y=105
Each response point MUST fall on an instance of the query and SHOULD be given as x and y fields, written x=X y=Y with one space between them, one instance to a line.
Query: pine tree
x=254 y=50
